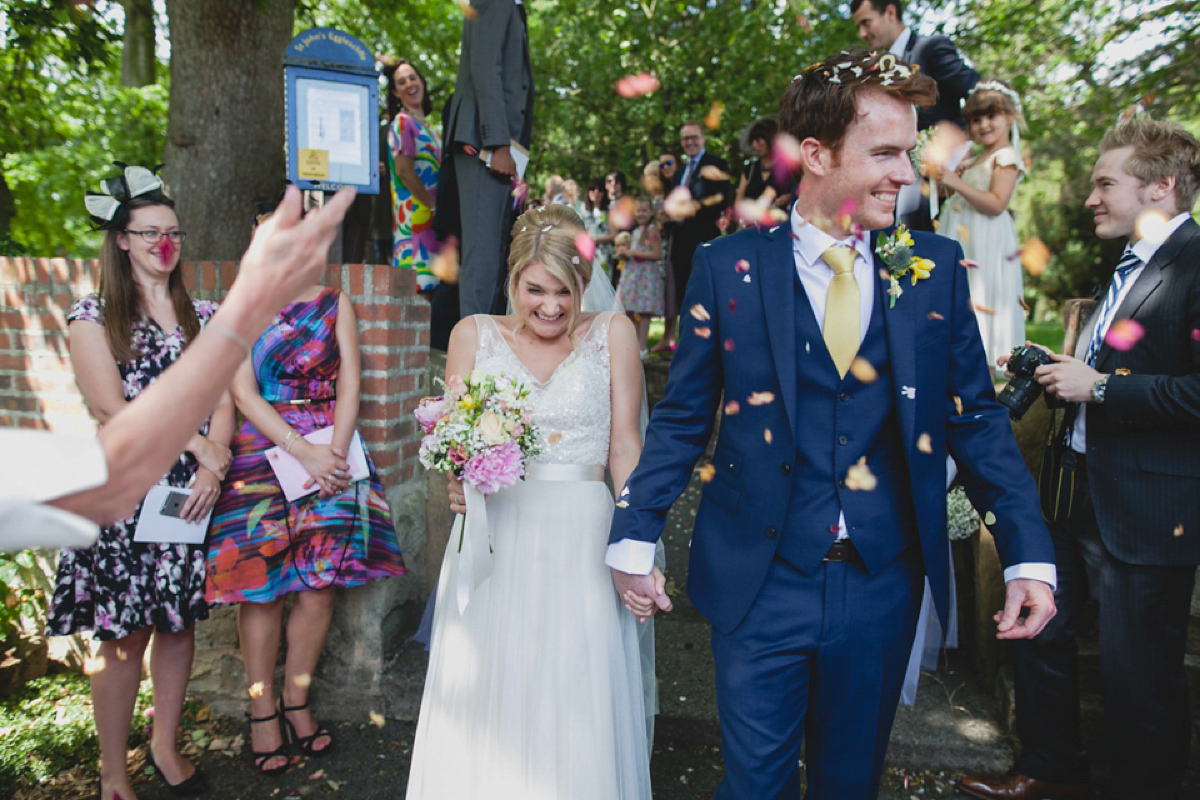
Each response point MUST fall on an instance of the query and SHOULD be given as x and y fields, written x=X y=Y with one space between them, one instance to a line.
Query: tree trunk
x=137 y=55
x=225 y=144
x=8 y=206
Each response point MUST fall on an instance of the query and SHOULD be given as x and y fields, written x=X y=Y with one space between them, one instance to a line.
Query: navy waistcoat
x=837 y=422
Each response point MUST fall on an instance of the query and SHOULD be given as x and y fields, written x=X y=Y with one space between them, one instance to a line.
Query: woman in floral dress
x=414 y=161
x=127 y=592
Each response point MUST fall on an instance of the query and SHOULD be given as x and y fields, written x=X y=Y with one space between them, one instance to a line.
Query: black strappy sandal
x=195 y=785
x=278 y=752
x=305 y=743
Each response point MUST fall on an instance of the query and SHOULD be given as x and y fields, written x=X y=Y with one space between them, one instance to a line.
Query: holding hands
x=642 y=594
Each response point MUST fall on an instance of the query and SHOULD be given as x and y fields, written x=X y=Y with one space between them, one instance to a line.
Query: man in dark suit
x=711 y=192
x=880 y=25
x=842 y=393
x=1128 y=536
x=492 y=107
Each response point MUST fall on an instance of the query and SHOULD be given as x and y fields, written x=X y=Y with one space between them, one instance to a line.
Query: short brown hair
x=822 y=101
x=993 y=97
x=1161 y=149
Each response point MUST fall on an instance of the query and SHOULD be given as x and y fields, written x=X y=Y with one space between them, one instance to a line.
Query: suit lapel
x=898 y=325
x=777 y=282
x=1145 y=285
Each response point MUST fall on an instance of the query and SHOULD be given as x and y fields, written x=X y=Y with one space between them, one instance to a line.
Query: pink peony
x=458 y=455
x=495 y=467
x=430 y=411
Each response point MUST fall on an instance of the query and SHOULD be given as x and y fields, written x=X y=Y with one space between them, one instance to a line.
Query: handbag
x=1056 y=479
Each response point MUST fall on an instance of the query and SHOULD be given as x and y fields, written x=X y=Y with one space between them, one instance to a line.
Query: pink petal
x=1124 y=334
x=636 y=85
x=585 y=245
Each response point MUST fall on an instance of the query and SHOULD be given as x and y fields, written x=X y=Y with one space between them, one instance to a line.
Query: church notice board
x=332 y=112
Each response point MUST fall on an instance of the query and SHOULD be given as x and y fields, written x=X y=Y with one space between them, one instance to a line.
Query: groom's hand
x=1034 y=595
x=642 y=594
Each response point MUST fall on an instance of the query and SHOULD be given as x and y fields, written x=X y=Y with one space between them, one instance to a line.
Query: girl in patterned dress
x=127 y=592
x=414 y=161
x=641 y=288
x=303 y=376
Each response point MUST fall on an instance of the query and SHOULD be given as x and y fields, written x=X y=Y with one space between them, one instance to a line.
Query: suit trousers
x=484 y=201
x=820 y=658
x=1143 y=615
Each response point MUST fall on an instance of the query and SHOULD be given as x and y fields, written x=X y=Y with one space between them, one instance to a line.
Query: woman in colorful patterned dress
x=303 y=376
x=127 y=592
x=414 y=161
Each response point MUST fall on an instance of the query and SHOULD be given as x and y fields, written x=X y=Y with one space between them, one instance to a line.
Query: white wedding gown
x=534 y=692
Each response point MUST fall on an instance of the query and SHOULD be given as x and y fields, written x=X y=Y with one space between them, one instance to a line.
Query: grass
x=46 y=728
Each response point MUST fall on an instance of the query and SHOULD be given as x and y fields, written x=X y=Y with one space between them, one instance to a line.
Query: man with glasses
x=714 y=195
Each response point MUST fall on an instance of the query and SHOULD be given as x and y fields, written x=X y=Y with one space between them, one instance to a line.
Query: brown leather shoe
x=1020 y=787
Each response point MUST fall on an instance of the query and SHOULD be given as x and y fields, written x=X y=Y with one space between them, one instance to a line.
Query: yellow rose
x=491 y=428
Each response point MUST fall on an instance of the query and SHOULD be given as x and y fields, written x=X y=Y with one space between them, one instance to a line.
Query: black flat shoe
x=281 y=751
x=195 y=785
x=306 y=743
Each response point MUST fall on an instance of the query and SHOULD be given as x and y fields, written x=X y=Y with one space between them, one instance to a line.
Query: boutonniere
x=896 y=253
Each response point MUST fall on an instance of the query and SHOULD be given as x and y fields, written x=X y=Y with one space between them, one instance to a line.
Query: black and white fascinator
x=109 y=208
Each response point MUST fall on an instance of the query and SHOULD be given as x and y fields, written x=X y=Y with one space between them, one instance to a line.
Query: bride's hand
x=458 y=500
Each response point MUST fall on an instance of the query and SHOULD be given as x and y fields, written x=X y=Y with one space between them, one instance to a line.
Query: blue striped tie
x=1129 y=262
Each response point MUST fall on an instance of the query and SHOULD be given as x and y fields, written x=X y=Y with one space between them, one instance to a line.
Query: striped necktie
x=1129 y=262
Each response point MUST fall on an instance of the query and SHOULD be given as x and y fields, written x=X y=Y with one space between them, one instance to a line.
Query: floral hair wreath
x=885 y=70
x=996 y=86
x=109 y=208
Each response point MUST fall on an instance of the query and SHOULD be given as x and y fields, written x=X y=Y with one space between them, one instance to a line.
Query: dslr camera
x=1023 y=389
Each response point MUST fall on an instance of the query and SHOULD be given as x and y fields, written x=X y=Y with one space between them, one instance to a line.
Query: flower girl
x=977 y=215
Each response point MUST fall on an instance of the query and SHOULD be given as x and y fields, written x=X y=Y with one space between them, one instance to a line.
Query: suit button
x=842 y=440
x=770 y=531
x=842 y=484
x=786 y=469
x=844 y=397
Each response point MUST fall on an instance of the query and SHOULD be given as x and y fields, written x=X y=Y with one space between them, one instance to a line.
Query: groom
x=842 y=393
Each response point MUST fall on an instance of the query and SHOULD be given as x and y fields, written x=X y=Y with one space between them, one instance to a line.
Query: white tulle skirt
x=535 y=690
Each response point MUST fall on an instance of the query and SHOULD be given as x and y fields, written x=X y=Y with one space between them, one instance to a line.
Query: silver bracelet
x=230 y=334
x=289 y=440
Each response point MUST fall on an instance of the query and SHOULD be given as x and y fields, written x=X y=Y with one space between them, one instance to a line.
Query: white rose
x=491 y=428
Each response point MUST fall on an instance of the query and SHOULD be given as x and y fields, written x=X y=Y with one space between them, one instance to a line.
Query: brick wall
x=37 y=384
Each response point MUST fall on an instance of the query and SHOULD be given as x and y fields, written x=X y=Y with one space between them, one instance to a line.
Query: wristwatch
x=1098 y=389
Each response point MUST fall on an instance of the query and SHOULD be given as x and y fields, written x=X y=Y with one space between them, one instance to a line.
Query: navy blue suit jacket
x=737 y=338
x=938 y=58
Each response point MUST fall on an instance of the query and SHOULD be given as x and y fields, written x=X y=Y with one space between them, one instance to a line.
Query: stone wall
x=371 y=624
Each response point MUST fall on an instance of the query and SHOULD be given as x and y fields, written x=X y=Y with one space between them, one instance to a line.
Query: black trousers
x=1143 y=613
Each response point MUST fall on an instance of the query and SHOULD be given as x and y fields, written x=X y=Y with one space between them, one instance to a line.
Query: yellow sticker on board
x=313 y=165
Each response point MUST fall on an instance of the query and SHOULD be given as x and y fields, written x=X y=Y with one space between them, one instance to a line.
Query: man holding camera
x=1124 y=510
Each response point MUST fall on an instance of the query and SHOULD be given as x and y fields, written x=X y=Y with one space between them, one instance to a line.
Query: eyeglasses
x=152 y=237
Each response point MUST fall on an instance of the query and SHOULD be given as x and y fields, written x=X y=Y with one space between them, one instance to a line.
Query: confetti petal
x=554 y=438
x=679 y=204
x=958 y=404
x=863 y=370
x=302 y=681
x=377 y=719
x=859 y=477
x=586 y=245
x=1035 y=256
x=467 y=11
x=761 y=398
x=620 y=216
x=637 y=85
x=1124 y=334
x=712 y=120
x=702 y=332
x=1152 y=226
x=728 y=344
x=1196 y=334
x=707 y=473
x=982 y=309
x=732 y=304
x=712 y=173
x=445 y=264
x=732 y=407
x=767 y=436
x=786 y=155
x=962 y=232
x=925 y=443
x=969 y=264
x=1178 y=530
x=934 y=315
x=699 y=312
x=742 y=266
x=989 y=519
x=316 y=776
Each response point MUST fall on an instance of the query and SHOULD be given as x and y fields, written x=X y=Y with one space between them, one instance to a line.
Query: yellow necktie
x=842 y=308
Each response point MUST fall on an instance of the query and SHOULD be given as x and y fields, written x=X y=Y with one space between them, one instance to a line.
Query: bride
x=534 y=690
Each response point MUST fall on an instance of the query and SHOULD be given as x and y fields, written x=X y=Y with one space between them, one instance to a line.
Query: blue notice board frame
x=332 y=113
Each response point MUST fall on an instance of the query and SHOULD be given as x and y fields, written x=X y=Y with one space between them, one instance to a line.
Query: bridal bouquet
x=481 y=429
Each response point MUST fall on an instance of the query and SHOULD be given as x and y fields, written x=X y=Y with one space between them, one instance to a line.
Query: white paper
x=154 y=526
x=334 y=117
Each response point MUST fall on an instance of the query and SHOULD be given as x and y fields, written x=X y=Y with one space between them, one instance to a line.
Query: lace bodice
x=573 y=408
x=979 y=174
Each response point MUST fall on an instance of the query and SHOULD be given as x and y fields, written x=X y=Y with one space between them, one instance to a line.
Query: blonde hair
x=546 y=237
x=1161 y=149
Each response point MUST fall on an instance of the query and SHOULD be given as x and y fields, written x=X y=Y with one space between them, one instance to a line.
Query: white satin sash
x=475 y=552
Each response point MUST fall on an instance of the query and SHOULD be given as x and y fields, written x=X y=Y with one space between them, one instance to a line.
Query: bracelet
x=230 y=334
x=289 y=440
